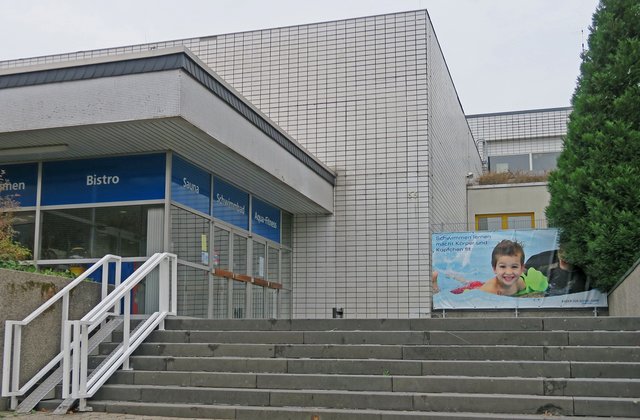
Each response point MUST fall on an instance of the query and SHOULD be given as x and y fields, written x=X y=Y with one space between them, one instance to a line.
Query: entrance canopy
x=157 y=101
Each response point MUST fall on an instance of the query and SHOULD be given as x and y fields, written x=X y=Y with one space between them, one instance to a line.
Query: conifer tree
x=595 y=191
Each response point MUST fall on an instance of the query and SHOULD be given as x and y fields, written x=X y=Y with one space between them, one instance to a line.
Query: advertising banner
x=230 y=204
x=124 y=178
x=190 y=185
x=20 y=183
x=507 y=269
x=266 y=220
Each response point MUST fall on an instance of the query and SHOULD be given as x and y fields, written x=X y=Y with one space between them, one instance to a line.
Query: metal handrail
x=76 y=383
x=13 y=331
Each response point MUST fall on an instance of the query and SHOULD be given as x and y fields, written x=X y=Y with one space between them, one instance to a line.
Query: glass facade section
x=193 y=291
x=189 y=236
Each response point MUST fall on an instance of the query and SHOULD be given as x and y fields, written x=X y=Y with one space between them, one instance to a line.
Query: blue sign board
x=125 y=178
x=190 y=185
x=230 y=204
x=20 y=183
x=265 y=220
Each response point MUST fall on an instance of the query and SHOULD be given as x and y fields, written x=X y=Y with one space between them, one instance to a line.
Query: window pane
x=512 y=163
x=258 y=301
x=24 y=227
x=193 y=291
x=219 y=292
x=490 y=223
x=239 y=254
x=542 y=162
x=239 y=299
x=519 y=222
x=221 y=248
x=259 y=260
x=272 y=264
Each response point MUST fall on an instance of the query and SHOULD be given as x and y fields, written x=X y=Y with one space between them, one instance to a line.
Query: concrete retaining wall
x=20 y=294
x=623 y=299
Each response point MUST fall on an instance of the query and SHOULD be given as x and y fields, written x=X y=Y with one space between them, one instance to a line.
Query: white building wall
x=353 y=92
x=453 y=152
x=356 y=94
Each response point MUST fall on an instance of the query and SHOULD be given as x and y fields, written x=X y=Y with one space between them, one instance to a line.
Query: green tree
x=9 y=249
x=595 y=192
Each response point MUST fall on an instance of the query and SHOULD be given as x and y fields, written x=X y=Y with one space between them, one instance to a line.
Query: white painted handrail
x=76 y=382
x=13 y=330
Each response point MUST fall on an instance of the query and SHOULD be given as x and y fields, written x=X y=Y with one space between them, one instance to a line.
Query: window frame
x=505 y=219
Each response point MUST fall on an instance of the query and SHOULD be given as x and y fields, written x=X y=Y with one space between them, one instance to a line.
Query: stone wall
x=623 y=298
x=20 y=294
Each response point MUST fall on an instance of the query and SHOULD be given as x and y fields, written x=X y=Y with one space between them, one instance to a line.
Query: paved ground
x=7 y=415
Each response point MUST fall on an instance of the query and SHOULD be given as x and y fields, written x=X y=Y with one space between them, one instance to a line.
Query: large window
x=94 y=232
x=535 y=162
x=505 y=221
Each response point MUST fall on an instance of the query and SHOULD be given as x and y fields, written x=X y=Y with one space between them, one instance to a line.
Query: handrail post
x=66 y=359
x=105 y=279
x=118 y=279
x=6 y=359
x=165 y=288
x=75 y=369
x=126 y=328
x=65 y=315
x=84 y=356
x=15 y=368
x=174 y=286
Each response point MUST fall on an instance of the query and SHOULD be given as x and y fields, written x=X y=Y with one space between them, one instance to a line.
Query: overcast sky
x=504 y=55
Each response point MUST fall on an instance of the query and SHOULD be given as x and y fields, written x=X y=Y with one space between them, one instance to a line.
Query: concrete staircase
x=454 y=368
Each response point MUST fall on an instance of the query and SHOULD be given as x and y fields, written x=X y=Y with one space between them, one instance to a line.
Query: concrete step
x=404 y=401
x=387 y=383
x=430 y=324
x=391 y=352
x=552 y=369
x=521 y=338
x=482 y=368
x=303 y=413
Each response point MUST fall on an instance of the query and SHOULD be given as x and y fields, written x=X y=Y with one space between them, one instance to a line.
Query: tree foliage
x=595 y=192
x=9 y=249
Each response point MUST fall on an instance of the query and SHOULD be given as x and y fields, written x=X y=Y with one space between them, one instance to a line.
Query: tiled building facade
x=522 y=140
x=371 y=98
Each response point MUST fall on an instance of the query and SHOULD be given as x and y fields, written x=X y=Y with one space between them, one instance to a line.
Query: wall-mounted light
x=33 y=150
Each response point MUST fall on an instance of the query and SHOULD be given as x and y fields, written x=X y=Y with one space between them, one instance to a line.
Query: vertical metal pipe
x=75 y=369
x=65 y=318
x=66 y=359
x=6 y=360
x=17 y=347
x=84 y=357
